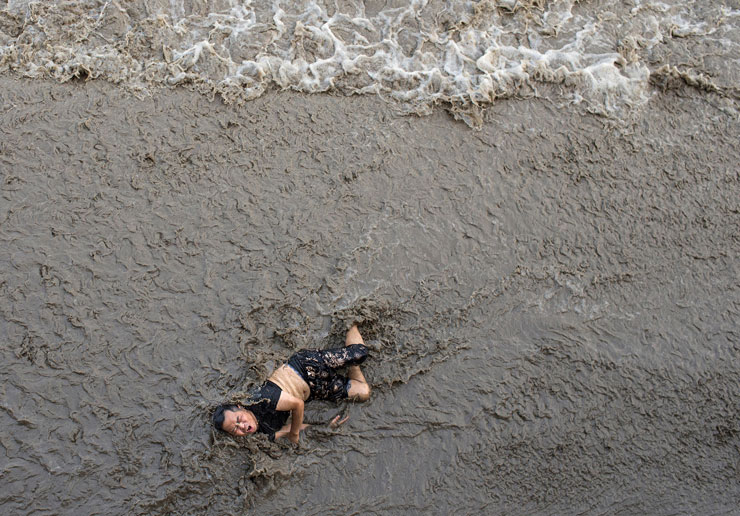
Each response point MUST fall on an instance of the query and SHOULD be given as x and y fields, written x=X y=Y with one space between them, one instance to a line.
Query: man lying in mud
x=309 y=374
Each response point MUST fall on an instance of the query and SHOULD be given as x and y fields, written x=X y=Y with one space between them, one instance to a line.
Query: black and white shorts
x=318 y=368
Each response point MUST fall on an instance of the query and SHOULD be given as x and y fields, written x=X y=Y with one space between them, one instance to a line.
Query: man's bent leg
x=359 y=389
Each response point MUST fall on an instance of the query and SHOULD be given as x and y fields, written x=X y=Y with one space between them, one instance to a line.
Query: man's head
x=234 y=420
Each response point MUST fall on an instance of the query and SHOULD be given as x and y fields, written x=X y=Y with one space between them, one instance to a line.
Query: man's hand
x=285 y=432
x=337 y=422
x=295 y=405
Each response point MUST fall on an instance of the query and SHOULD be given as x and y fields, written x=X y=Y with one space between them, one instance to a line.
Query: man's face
x=239 y=422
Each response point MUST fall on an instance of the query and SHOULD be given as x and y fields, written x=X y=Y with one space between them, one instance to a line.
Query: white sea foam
x=417 y=52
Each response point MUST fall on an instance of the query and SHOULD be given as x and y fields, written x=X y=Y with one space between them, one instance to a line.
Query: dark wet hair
x=218 y=415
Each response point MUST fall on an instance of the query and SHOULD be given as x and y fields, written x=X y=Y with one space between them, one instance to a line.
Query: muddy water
x=602 y=56
x=551 y=303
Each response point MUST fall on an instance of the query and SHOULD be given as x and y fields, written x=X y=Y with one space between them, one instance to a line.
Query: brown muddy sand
x=552 y=303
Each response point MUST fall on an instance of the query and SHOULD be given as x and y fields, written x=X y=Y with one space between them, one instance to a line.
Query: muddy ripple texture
x=551 y=303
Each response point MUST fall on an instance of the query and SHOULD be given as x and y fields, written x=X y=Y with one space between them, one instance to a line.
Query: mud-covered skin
x=318 y=367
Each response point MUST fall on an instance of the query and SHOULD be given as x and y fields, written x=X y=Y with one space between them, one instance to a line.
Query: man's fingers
x=337 y=422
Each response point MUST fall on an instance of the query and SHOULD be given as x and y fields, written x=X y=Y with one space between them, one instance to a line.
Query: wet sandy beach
x=552 y=303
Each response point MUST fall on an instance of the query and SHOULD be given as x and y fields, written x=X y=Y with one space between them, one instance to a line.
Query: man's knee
x=359 y=391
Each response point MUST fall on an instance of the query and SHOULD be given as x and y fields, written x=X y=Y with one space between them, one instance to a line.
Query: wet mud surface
x=551 y=303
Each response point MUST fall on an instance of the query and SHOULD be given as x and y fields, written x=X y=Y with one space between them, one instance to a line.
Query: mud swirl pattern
x=551 y=306
x=551 y=301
